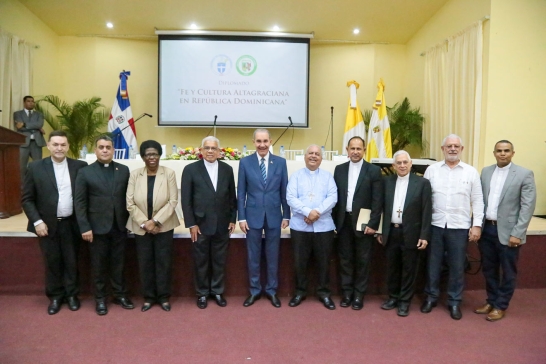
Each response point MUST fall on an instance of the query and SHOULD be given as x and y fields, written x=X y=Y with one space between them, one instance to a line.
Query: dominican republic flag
x=121 y=116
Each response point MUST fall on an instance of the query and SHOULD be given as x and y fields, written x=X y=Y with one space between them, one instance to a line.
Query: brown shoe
x=485 y=309
x=495 y=315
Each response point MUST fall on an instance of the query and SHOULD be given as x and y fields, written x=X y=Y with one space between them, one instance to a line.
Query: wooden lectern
x=10 y=176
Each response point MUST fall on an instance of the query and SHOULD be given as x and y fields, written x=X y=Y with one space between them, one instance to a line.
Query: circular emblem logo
x=221 y=65
x=120 y=119
x=246 y=65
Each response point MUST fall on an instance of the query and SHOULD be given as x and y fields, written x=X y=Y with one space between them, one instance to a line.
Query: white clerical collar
x=209 y=164
x=312 y=172
x=505 y=168
x=63 y=162
x=405 y=178
x=357 y=164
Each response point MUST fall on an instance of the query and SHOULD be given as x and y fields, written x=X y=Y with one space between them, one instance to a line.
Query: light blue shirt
x=311 y=190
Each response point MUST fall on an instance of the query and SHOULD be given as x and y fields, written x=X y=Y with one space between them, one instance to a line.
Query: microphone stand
x=279 y=138
x=214 y=126
x=133 y=123
x=332 y=128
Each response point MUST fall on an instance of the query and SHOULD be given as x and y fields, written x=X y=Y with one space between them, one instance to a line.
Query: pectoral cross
x=399 y=212
x=311 y=195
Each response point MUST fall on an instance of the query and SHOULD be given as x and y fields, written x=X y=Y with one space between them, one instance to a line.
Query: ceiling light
x=109 y=25
x=193 y=26
x=356 y=31
x=276 y=28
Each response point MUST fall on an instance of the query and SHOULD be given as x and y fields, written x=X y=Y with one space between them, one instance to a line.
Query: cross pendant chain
x=399 y=212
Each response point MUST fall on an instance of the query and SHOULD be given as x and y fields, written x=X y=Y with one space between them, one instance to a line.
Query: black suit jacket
x=368 y=194
x=96 y=202
x=40 y=193
x=203 y=206
x=416 y=213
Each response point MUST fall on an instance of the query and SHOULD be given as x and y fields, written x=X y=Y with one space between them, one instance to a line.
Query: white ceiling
x=379 y=21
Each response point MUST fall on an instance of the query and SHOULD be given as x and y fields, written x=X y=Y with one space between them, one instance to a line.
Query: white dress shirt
x=28 y=114
x=212 y=169
x=400 y=192
x=354 y=172
x=65 y=206
x=457 y=198
x=497 y=183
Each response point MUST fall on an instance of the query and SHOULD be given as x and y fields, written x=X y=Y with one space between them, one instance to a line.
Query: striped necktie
x=262 y=168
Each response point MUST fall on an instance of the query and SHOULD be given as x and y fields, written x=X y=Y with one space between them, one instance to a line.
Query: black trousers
x=60 y=253
x=320 y=245
x=107 y=259
x=402 y=266
x=155 y=256
x=355 y=254
x=209 y=262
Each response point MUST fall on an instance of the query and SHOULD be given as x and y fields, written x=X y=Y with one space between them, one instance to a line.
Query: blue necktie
x=262 y=168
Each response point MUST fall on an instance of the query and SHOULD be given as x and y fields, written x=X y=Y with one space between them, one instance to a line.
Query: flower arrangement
x=191 y=153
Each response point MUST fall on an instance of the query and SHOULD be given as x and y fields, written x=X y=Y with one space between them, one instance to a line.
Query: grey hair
x=452 y=136
x=210 y=138
x=314 y=145
x=400 y=152
x=261 y=131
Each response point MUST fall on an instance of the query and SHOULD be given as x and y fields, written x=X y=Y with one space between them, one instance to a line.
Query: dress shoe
x=220 y=300
x=427 y=306
x=124 y=302
x=485 y=309
x=455 y=312
x=403 y=309
x=146 y=306
x=275 y=301
x=73 y=303
x=495 y=315
x=54 y=306
x=202 y=302
x=296 y=300
x=101 y=308
x=358 y=303
x=251 y=299
x=346 y=301
x=389 y=304
x=328 y=303
x=166 y=306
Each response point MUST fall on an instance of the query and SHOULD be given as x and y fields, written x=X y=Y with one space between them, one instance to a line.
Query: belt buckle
x=493 y=222
x=396 y=225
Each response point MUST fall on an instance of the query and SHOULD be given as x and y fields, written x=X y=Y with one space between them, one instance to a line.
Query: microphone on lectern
x=289 y=118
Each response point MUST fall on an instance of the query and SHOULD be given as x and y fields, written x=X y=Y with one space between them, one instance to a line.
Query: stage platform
x=21 y=265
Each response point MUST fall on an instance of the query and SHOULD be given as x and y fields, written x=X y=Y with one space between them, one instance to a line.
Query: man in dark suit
x=262 y=207
x=209 y=205
x=30 y=123
x=358 y=187
x=101 y=210
x=406 y=230
x=49 y=205
x=509 y=193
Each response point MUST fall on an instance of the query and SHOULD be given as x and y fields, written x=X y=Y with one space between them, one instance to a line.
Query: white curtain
x=15 y=75
x=453 y=92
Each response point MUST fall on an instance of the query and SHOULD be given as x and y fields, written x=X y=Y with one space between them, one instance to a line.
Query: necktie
x=262 y=168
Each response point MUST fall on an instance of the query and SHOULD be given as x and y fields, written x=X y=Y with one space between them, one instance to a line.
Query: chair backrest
x=119 y=153
x=290 y=154
x=329 y=154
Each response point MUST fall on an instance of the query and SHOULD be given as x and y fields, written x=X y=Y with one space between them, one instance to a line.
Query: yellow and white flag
x=354 y=124
x=379 y=144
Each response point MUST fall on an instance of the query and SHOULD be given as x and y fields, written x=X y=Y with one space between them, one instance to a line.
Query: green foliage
x=406 y=125
x=82 y=121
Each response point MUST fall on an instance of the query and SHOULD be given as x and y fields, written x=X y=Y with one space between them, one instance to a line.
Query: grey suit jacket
x=516 y=204
x=32 y=126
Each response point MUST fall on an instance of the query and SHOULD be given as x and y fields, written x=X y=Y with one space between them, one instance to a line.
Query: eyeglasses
x=212 y=149
x=151 y=155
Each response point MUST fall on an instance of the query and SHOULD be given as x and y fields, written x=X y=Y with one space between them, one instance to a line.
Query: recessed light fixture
x=193 y=26
x=109 y=25
x=276 y=28
x=356 y=31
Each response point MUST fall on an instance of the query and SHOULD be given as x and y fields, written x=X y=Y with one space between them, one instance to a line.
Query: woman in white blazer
x=152 y=196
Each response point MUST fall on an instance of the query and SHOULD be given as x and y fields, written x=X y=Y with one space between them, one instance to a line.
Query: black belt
x=64 y=218
x=348 y=212
x=396 y=226
x=492 y=222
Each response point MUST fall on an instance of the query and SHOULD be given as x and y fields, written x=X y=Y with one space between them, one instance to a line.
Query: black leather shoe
x=124 y=302
x=296 y=300
x=146 y=306
x=275 y=301
x=455 y=312
x=403 y=309
x=73 y=303
x=202 y=302
x=427 y=306
x=346 y=301
x=166 y=306
x=389 y=304
x=251 y=299
x=358 y=303
x=220 y=300
x=54 y=306
x=101 y=308
x=328 y=303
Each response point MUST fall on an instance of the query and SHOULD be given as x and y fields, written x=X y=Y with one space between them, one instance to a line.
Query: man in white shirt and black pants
x=49 y=205
x=457 y=214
